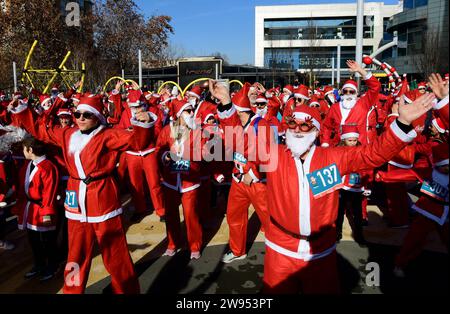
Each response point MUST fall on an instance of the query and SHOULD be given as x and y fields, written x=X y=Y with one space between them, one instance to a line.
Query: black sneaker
x=47 y=275
x=32 y=273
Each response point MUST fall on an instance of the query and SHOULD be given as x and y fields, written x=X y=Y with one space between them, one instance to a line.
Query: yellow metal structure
x=42 y=79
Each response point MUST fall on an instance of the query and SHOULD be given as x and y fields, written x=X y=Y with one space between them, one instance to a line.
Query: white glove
x=175 y=91
x=325 y=145
x=367 y=192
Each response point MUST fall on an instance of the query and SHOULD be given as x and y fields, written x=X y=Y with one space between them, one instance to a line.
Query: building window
x=315 y=28
x=411 y=4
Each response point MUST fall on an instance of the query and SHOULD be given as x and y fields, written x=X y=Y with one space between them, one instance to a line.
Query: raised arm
x=374 y=86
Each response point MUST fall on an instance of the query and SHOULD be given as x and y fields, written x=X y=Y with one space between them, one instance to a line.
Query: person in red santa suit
x=301 y=242
x=301 y=97
x=92 y=202
x=36 y=207
x=181 y=177
x=248 y=186
x=422 y=87
x=432 y=212
x=288 y=91
x=351 y=110
x=440 y=89
x=142 y=165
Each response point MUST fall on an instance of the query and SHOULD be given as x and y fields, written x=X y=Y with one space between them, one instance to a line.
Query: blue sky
x=203 y=27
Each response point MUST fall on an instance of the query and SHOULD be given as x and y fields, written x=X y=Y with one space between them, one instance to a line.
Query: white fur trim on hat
x=134 y=104
x=351 y=86
x=264 y=100
x=301 y=96
x=304 y=116
x=64 y=113
x=436 y=125
x=89 y=108
x=193 y=94
x=183 y=108
x=349 y=135
x=241 y=108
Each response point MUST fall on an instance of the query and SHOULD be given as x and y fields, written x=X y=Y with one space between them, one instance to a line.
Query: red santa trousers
x=111 y=239
x=288 y=275
x=205 y=201
x=416 y=239
x=140 y=167
x=189 y=200
x=239 y=200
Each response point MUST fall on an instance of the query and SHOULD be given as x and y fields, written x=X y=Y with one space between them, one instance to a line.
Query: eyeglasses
x=189 y=110
x=314 y=105
x=87 y=115
x=348 y=92
x=298 y=99
x=305 y=126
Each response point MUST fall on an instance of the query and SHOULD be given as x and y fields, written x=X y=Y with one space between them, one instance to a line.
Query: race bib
x=239 y=159
x=325 y=180
x=180 y=166
x=354 y=179
x=434 y=190
x=71 y=202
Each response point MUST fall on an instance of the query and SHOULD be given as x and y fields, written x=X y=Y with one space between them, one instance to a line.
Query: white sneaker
x=5 y=245
x=195 y=255
x=170 y=252
x=399 y=272
x=230 y=257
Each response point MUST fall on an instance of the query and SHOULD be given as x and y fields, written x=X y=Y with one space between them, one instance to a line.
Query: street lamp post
x=359 y=34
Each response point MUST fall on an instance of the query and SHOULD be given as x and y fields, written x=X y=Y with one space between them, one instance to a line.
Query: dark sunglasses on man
x=348 y=92
x=87 y=115
x=261 y=104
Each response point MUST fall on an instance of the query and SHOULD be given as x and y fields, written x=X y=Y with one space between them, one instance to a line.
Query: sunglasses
x=189 y=110
x=304 y=126
x=348 y=92
x=261 y=104
x=87 y=115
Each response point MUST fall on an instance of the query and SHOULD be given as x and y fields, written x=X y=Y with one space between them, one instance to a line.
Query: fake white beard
x=286 y=98
x=331 y=98
x=261 y=112
x=349 y=101
x=193 y=103
x=440 y=178
x=299 y=145
x=189 y=120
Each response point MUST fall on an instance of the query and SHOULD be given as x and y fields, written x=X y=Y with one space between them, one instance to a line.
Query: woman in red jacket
x=181 y=177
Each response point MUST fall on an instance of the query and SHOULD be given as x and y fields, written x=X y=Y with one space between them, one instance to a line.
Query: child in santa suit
x=432 y=211
x=350 y=196
x=36 y=207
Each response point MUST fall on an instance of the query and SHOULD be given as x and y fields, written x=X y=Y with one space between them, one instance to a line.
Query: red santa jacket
x=92 y=193
x=442 y=108
x=245 y=143
x=358 y=115
x=37 y=195
x=292 y=204
x=182 y=175
x=203 y=109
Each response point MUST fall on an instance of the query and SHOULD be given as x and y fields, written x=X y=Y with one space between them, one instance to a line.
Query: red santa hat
x=288 y=88
x=196 y=91
x=411 y=95
x=178 y=106
x=422 y=85
x=314 y=102
x=64 y=112
x=439 y=125
x=305 y=113
x=350 y=84
x=240 y=99
x=93 y=104
x=134 y=98
x=440 y=154
x=301 y=92
x=261 y=98
x=154 y=99
x=55 y=88
x=76 y=98
x=328 y=90
x=44 y=99
x=446 y=76
x=349 y=131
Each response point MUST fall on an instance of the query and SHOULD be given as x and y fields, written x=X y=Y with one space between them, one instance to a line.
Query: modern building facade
x=304 y=38
x=422 y=29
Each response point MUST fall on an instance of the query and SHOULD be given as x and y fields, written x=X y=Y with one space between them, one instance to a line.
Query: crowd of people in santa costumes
x=303 y=158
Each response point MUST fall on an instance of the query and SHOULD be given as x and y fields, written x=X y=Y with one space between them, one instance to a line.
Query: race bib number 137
x=324 y=181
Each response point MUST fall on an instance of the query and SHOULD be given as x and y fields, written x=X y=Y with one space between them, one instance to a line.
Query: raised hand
x=220 y=92
x=118 y=85
x=438 y=85
x=411 y=112
x=135 y=86
x=355 y=67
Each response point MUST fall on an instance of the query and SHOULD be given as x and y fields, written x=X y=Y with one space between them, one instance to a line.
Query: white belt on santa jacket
x=141 y=153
